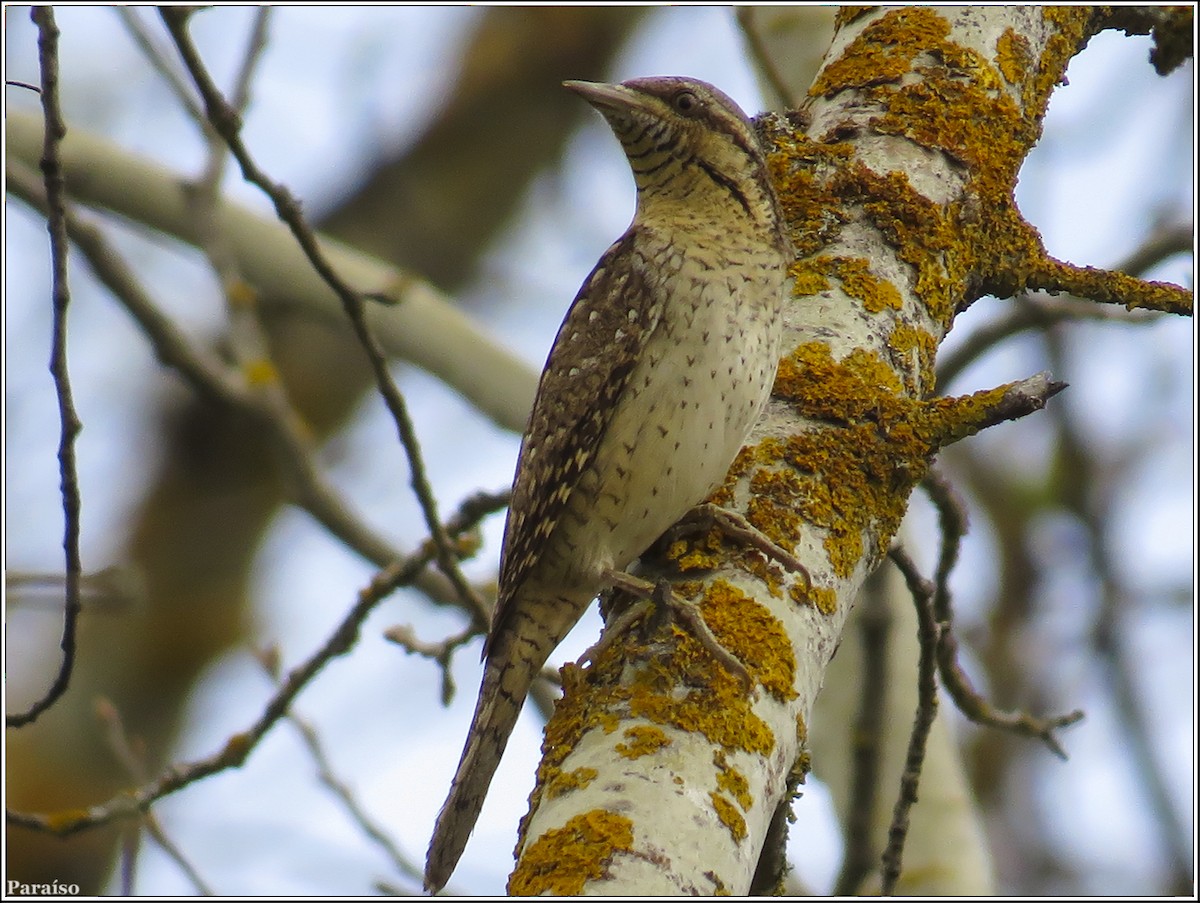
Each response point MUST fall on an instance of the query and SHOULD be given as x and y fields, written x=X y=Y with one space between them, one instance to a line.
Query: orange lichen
x=732 y=782
x=566 y=781
x=749 y=631
x=1013 y=56
x=851 y=476
x=563 y=860
x=642 y=740
x=730 y=817
x=918 y=348
x=883 y=51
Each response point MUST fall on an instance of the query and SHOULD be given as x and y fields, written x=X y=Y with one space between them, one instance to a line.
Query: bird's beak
x=606 y=97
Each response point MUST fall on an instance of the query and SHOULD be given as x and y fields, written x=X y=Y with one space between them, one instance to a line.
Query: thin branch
x=970 y=702
x=268 y=658
x=953 y=523
x=132 y=803
x=159 y=58
x=70 y=425
x=210 y=378
x=928 y=631
x=418 y=324
x=354 y=809
x=227 y=122
x=255 y=45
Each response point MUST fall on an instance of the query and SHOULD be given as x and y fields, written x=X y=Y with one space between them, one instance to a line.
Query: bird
x=659 y=370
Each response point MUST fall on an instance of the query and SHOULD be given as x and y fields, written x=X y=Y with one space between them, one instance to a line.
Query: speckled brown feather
x=593 y=354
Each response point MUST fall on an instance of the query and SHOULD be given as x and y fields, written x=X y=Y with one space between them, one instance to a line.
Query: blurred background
x=440 y=139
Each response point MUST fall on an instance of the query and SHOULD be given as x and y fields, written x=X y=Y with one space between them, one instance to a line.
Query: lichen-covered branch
x=1172 y=27
x=897 y=177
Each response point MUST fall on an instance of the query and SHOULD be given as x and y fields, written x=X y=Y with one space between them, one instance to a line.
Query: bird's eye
x=685 y=102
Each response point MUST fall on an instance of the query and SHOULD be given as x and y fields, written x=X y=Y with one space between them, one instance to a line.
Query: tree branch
x=70 y=424
x=414 y=321
x=132 y=803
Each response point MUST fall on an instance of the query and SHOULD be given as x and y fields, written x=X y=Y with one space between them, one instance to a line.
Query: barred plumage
x=659 y=370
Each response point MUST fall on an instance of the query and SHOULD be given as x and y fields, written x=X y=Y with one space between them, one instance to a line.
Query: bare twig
x=55 y=189
x=159 y=58
x=255 y=46
x=227 y=122
x=441 y=652
x=969 y=701
x=132 y=803
x=211 y=378
x=354 y=809
x=269 y=659
x=419 y=324
x=928 y=631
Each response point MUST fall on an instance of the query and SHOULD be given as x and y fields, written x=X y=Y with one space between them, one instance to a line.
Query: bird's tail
x=512 y=663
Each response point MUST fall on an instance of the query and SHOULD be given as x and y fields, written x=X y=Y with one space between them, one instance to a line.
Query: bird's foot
x=660 y=595
x=707 y=515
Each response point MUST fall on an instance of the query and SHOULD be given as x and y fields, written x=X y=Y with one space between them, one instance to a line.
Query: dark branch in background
x=212 y=379
x=132 y=803
x=875 y=625
x=971 y=703
x=228 y=124
x=43 y=17
x=928 y=634
x=1027 y=313
x=1110 y=631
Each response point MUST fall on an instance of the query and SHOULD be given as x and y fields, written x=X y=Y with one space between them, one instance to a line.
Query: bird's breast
x=686 y=409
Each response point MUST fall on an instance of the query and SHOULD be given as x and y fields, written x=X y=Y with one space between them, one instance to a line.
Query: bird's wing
x=597 y=346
